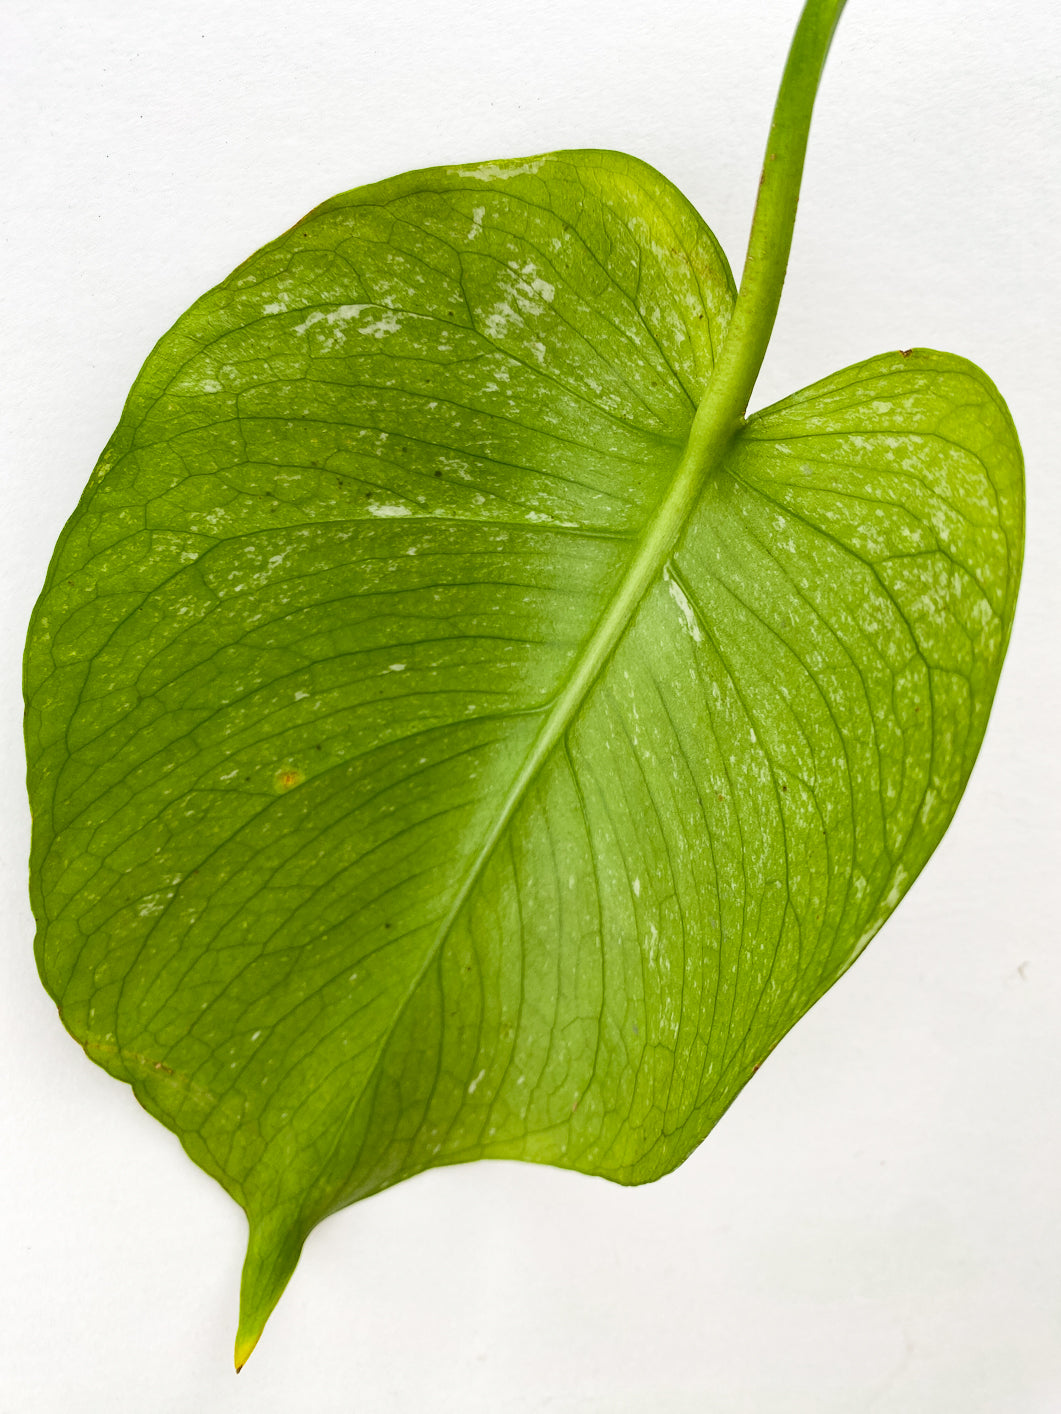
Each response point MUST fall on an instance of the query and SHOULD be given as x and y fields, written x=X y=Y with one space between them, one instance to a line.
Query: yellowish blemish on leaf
x=144 y=1067
x=288 y=777
x=244 y=1349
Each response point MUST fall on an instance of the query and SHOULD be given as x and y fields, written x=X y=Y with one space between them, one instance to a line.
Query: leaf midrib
x=707 y=440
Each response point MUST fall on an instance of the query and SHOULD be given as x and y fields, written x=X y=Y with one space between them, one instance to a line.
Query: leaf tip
x=273 y=1250
x=245 y=1343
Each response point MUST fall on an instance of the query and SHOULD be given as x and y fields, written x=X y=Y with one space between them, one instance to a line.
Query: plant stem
x=771 y=235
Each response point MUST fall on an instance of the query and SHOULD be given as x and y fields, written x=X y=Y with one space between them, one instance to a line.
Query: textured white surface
x=875 y=1226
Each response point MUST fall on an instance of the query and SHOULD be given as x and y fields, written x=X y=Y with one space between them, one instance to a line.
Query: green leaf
x=434 y=754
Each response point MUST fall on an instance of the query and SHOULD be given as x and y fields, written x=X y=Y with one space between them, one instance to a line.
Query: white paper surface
x=875 y=1225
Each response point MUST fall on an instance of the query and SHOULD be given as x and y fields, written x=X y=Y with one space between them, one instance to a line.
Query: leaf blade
x=411 y=777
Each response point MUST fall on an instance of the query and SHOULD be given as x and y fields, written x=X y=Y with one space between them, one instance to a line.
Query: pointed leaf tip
x=273 y=1250
x=244 y=1349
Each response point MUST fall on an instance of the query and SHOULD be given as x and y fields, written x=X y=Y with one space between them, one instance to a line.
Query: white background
x=876 y=1224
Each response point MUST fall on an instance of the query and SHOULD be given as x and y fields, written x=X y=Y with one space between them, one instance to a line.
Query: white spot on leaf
x=687 y=611
x=386 y=511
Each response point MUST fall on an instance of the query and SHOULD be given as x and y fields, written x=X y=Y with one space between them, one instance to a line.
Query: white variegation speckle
x=687 y=611
x=387 y=324
x=496 y=171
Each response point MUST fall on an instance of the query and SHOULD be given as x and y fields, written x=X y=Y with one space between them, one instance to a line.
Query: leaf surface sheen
x=411 y=784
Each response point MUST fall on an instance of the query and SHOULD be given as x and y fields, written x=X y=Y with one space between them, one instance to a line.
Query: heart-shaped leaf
x=437 y=754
